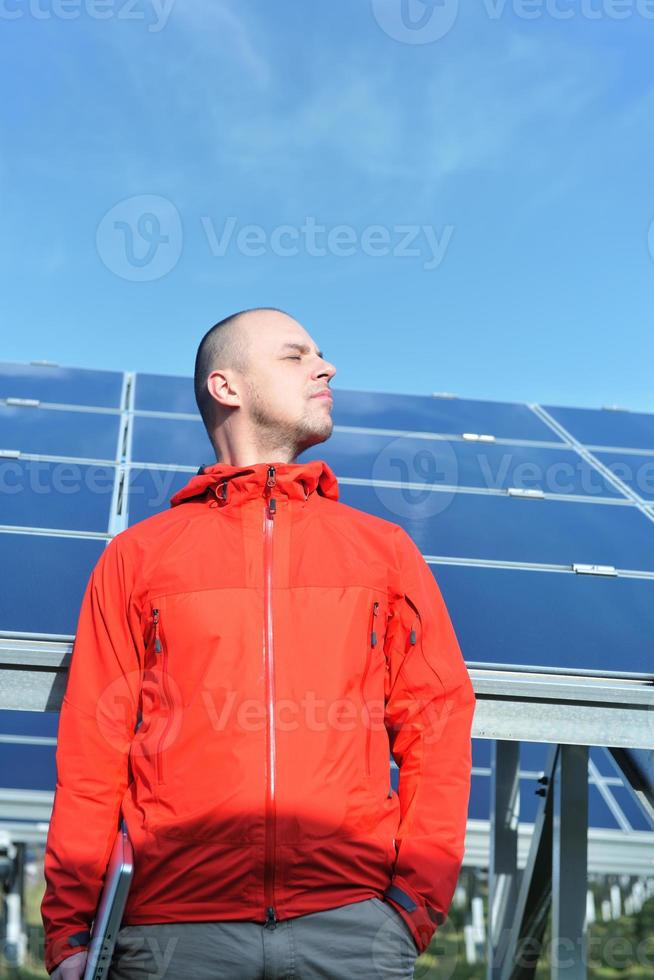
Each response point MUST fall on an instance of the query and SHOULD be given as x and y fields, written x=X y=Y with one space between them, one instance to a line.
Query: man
x=243 y=664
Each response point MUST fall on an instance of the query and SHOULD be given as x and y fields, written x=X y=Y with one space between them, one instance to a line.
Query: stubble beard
x=273 y=432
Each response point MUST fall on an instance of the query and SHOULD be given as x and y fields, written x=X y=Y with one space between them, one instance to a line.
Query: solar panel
x=481 y=752
x=62 y=385
x=480 y=797
x=27 y=767
x=454 y=463
x=634 y=469
x=500 y=528
x=454 y=416
x=57 y=432
x=42 y=581
x=631 y=808
x=480 y=518
x=178 y=442
x=39 y=723
x=487 y=454
x=164 y=393
x=560 y=620
x=64 y=495
x=606 y=427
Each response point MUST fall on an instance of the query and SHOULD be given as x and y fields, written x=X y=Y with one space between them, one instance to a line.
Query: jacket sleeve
x=96 y=725
x=428 y=715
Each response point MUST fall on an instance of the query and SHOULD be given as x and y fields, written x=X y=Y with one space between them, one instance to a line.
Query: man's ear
x=224 y=386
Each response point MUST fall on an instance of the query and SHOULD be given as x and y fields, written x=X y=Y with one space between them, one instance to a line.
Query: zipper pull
x=270 y=483
x=271 y=918
x=412 y=636
x=373 y=634
x=157 y=641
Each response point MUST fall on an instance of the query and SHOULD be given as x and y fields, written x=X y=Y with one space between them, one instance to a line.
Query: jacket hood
x=228 y=482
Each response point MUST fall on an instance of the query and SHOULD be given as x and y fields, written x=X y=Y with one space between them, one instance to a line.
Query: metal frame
x=555 y=708
x=570 y=864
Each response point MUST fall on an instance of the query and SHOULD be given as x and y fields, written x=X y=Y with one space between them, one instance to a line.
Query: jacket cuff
x=421 y=918
x=67 y=946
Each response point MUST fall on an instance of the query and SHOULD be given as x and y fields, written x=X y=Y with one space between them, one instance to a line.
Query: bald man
x=244 y=663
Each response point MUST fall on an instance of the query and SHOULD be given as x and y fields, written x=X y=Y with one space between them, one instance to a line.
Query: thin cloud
x=476 y=110
x=217 y=30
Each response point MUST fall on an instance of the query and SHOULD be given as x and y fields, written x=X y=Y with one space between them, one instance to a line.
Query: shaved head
x=225 y=345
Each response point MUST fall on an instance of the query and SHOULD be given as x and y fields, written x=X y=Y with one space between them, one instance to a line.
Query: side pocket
x=390 y=913
x=370 y=644
x=161 y=653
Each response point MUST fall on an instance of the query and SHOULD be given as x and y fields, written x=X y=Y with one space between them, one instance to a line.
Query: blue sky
x=509 y=154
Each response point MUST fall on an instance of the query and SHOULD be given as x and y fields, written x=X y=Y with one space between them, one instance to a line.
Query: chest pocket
x=374 y=680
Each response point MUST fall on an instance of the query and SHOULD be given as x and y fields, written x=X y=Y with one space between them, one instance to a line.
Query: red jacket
x=243 y=663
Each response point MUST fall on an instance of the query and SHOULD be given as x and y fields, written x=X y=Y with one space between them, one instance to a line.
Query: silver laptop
x=111 y=907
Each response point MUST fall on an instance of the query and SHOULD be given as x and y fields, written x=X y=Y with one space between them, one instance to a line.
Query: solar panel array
x=537 y=521
x=519 y=510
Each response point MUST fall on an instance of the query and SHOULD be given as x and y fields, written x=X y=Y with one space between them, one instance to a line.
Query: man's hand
x=72 y=968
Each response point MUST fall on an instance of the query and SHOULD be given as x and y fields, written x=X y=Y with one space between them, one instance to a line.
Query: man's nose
x=326 y=370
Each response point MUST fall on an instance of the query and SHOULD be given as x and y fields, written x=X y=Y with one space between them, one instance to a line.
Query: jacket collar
x=238 y=483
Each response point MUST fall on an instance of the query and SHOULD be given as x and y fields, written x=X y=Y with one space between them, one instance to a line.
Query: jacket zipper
x=268 y=658
x=370 y=645
x=160 y=649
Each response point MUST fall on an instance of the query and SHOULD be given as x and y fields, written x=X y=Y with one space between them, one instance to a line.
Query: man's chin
x=316 y=436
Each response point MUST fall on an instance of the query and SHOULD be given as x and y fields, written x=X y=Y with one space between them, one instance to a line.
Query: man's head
x=256 y=377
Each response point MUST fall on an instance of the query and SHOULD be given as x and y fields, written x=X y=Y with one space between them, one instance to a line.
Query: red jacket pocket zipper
x=372 y=642
x=161 y=651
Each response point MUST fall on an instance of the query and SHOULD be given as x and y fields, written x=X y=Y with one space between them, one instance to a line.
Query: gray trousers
x=366 y=939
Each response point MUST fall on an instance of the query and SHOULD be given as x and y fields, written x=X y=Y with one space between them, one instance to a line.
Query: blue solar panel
x=631 y=808
x=605 y=427
x=502 y=528
x=56 y=432
x=164 y=393
x=62 y=385
x=174 y=441
x=502 y=616
x=533 y=756
x=42 y=581
x=68 y=496
x=27 y=767
x=509 y=616
x=605 y=764
x=481 y=752
x=150 y=490
x=42 y=723
x=439 y=462
x=451 y=416
x=599 y=813
x=480 y=798
x=635 y=470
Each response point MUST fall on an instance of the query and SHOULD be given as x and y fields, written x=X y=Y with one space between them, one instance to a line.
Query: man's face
x=286 y=375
